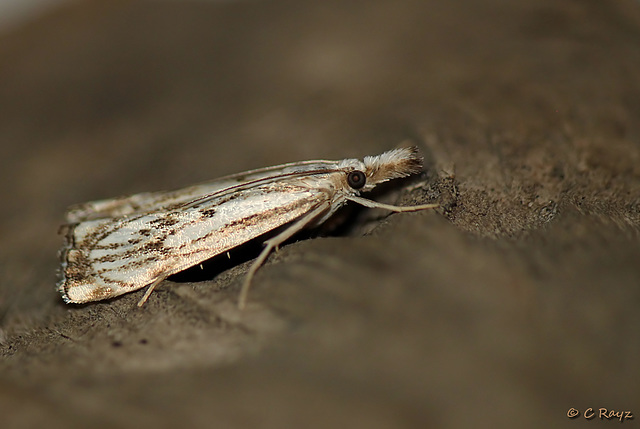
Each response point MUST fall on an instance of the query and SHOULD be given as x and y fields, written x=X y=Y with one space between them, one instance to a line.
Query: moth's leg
x=376 y=205
x=274 y=242
x=150 y=289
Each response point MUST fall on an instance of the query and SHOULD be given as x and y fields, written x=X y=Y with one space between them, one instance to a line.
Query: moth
x=116 y=246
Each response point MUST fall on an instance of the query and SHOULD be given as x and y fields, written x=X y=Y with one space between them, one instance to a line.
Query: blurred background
x=14 y=13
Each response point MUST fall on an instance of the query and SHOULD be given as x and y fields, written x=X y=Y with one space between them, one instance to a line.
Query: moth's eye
x=356 y=179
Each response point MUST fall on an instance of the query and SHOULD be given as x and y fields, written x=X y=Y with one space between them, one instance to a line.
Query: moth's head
x=372 y=170
x=393 y=164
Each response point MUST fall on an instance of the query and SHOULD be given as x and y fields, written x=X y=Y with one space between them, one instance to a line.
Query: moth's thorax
x=332 y=183
x=348 y=165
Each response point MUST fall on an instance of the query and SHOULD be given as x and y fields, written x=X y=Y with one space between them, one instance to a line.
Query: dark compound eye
x=356 y=179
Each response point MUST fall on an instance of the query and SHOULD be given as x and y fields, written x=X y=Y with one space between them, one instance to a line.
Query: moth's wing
x=105 y=258
x=139 y=203
x=154 y=201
